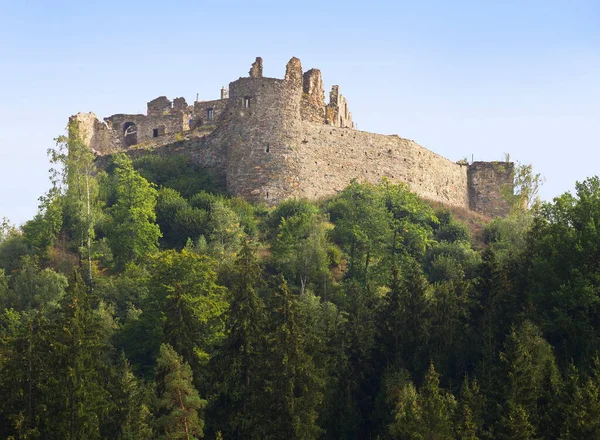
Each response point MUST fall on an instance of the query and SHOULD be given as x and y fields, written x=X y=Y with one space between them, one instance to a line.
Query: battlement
x=275 y=138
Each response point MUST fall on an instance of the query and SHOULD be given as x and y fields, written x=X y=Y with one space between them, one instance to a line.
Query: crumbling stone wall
x=337 y=109
x=489 y=183
x=256 y=71
x=96 y=134
x=147 y=127
x=159 y=106
x=207 y=113
x=313 y=97
x=331 y=157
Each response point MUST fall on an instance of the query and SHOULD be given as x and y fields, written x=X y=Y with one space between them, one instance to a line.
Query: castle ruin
x=274 y=139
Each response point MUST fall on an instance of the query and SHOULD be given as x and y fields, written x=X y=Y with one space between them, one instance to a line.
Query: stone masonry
x=274 y=139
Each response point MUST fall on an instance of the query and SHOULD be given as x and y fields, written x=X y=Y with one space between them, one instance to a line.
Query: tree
x=516 y=425
x=240 y=361
x=362 y=226
x=185 y=306
x=78 y=184
x=300 y=249
x=295 y=384
x=132 y=415
x=523 y=195
x=437 y=406
x=423 y=414
x=132 y=231
x=179 y=405
x=77 y=396
x=469 y=412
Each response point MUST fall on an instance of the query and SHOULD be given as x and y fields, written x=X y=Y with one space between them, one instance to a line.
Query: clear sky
x=461 y=78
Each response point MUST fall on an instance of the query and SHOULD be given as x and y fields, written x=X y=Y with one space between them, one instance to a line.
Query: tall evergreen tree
x=295 y=384
x=178 y=403
x=78 y=398
x=239 y=363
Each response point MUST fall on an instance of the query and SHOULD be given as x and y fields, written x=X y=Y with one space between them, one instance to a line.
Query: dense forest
x=143 y=302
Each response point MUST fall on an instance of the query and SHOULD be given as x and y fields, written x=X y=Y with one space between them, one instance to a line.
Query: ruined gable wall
x=337 y=109
x=330 y=157
x=313 y=97
x=97 y=135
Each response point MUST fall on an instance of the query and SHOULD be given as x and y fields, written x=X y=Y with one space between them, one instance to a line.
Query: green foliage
x=300 y=250
x=239 y=363
x=185 y=305
x=179 y=405
x=423 y=414
x=524 y=194
x=132 y=231
x=301 y=321
x=179 y=173
x=451 y=230
x=295 y=384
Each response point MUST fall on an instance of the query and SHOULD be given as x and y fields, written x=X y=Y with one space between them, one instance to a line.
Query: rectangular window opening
x=246 y=102
x=210 y=114
x=155 y=133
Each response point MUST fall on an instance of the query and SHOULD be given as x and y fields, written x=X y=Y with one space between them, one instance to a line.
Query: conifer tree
x=179 y=404
x=295 y=384
x=437 y=407
x=79 y=399
x=133 y=411
x=240 y=363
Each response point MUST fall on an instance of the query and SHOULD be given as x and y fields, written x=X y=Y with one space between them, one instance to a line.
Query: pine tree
x=469 y=412
x=79 y=399
x=295 y=384
x=178 y=402
x=516 y=425
x=437 y=407
x=239 y=363
x=132 y=412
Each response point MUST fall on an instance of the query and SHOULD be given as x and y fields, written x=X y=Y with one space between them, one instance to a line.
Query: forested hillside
x=143 y=302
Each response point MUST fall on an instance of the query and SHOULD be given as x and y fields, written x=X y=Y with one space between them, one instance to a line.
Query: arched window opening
x=130 y=134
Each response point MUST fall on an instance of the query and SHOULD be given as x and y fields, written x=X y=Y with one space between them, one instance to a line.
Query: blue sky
x=461 y=78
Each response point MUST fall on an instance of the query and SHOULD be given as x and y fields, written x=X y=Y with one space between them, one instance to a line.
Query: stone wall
x=195 y=145
x=488 y=181
x=337 y=109
x=313 y=97
x=159 y=106
x=146 y=127
x=330 y=157
x=95 y=134
x=207 y=112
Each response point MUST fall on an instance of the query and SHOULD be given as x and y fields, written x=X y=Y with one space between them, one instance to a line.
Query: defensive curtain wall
x=274 y=139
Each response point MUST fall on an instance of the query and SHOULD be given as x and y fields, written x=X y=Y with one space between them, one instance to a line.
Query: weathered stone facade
x=488 y=181
x=274 y=139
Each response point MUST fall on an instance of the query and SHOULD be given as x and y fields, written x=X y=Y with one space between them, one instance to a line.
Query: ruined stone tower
x=260 y=129
x=274 y=139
